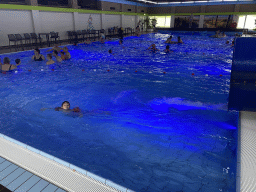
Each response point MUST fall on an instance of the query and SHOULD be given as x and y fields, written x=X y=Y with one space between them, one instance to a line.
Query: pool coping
x=68 y=166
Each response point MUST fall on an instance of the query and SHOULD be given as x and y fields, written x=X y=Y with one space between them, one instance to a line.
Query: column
x=75 y=21
x=172 y=21
x=122 y=20
x=36 y=21
x=73 y=4
x=201 y=21
x=102 y=17
x=31 y=2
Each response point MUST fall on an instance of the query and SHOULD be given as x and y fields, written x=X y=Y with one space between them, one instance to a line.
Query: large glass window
x=53 y=3
x=88 y=4
x=20 y=2
x=247 y=22
x=162 y=21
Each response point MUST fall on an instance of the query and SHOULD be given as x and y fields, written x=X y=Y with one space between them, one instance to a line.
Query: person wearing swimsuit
x=38 y=56
x=7 y=66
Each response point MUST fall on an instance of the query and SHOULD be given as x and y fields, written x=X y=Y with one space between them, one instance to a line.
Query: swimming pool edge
x=66 y=164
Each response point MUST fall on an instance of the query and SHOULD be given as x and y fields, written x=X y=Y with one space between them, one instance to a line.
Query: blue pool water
x=161 y=131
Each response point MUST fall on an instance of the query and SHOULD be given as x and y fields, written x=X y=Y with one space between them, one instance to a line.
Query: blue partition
x=242 y=94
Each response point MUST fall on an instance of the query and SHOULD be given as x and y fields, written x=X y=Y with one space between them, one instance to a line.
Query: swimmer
x=87 y=42
x=120 y=41
x=167 y=49
x=233 y=42
x=169 y=40
x=153 y=48
x=37 y=56
x=65 y=107
x=227 y=42
x=110 y=51
x=49 y=58
x=223 y=34
x=56 y=47
x=7 y=66
x=179 y=40
x=62 y=55
x=55 y=54
x=67 y=54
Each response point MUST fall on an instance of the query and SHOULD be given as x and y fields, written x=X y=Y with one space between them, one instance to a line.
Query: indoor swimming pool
x=151 y=121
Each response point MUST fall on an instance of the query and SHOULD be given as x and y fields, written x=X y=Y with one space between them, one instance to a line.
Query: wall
x=56 y=21
x=13 y=22
x=111 y=21
x=83 y=21
x=128 y=21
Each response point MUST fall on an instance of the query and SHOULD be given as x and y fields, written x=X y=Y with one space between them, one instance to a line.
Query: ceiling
x=178 y=1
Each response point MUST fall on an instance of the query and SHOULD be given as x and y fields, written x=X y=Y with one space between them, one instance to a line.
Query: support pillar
x=36 y=21
x=102 y=17
x=201 y=21
x=121 y=20
x=172 y=21
x=75 y=21
x=73 y=4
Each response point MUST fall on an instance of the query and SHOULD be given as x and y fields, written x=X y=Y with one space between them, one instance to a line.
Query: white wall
x=56 y=21
x=111 y=21
x=83 y=21
x=129 y=21
x=13 y=22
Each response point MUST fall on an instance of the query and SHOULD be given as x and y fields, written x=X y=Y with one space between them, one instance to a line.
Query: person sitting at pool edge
x=7 y=66
x=55 y=54
x=49 y=58
x=153 y=48
x=67 y=54
x=167 y=49
x=38 y=56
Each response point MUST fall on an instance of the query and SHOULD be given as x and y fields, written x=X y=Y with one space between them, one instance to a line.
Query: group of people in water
x=64 y=55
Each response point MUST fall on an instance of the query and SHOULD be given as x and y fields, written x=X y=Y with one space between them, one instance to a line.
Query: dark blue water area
x=148 y=124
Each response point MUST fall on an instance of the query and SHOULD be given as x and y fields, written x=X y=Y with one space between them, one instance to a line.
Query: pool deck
x=23 y=168
x=246 y=156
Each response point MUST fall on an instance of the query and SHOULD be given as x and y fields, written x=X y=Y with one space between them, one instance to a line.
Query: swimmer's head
x=36 y=51
x=227 y=42
x=65 y=105
x=7 y=60
x=110 y=50
x=49 y=56
x=55 y=53
x=153 y=45
x=167 y=47
x=65 y=49
x=17 y=61
x=62 y=52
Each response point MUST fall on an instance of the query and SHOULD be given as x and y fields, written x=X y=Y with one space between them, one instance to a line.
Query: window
x=142 y=11
x=19 y=2
x=112 y=8
x=53 y=3
x=129 y=10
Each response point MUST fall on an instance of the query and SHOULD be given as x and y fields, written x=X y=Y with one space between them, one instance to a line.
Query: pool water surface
x=151 y=121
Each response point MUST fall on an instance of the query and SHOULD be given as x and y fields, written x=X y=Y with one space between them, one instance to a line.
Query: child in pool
x=153 y=48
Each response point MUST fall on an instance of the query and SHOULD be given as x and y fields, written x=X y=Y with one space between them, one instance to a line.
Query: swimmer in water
x=153 y=48
x=179 y=40
x=7 y=66
x=55 y=54
x=167 y=49
x=62 y=55
x=227 y=42
x=66 y=107
x=67 y=54
x=169 y=40
x=49 y=58
x=110 y=51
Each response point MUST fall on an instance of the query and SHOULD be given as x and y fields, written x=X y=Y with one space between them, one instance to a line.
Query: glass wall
x=53 y=3
x=162 y=21
x=247 y=22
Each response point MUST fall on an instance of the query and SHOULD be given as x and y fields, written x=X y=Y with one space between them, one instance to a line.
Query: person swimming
x=67 y=53
x=37 y=56
x=179 y=40
x=65 y=106
x=55 y=54
x=49 y=58
x=62 y=55
x=7 y=66
x=169 y=40
x=167 y=49
x=110 y=51
x=153 y=48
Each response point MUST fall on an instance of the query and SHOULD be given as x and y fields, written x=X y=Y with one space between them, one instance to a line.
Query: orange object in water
x=29 y=70
x=82 y=69
x=136 y=71
x=220 y=75
x=52 y=69
x=193 y=73
x=4 y=72
x=164 y=72
x=108 y=70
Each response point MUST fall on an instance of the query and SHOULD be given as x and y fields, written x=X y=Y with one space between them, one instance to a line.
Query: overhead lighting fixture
x=188 y=2
x=200 y=1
